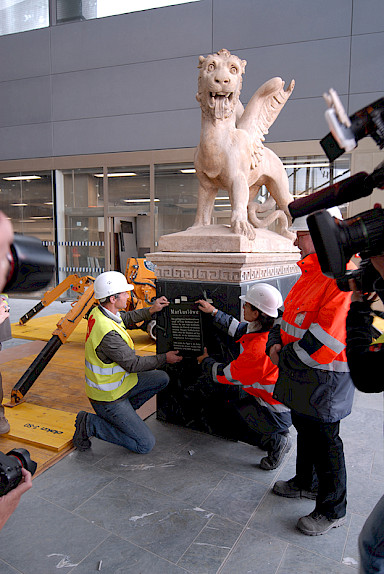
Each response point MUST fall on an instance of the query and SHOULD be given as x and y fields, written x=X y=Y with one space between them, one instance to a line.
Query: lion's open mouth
x=221 y=102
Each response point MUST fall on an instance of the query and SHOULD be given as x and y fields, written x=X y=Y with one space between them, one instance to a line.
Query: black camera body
x=364 y=277
x=336 y=241
x=10 y=468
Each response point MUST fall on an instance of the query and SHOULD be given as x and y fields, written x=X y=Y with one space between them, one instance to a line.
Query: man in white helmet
x=118 y=381
x=268 y=421
x=314 y=381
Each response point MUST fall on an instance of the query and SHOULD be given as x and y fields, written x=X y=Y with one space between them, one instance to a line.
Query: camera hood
x=325 y=234
x=31 y=265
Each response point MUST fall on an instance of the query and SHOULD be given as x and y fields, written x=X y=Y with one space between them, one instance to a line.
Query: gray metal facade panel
x=315 y=67
x=367 y=68
x=25 y=101
x=120 y=90
x=162 y=33
x=368 y=16
x=359 y=101
x=300 y=120
x=25 y=55
x=161 y=130
x=26 y=141
x=252 y=23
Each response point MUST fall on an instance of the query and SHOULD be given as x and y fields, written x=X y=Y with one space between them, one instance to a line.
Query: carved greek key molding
x=223 y=274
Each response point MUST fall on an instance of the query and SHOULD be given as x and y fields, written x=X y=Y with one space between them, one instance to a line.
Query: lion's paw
x=244 y=228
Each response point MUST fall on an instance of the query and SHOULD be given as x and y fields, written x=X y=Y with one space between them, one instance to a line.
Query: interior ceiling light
x=48 y=203
x=41 y=217
x=22 y=177
x=19 y=204
x=123 y=174
x=191 y=170
x=139 y=200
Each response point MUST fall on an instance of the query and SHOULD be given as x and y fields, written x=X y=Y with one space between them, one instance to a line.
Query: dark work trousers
x=263 y=427
x=320 y=464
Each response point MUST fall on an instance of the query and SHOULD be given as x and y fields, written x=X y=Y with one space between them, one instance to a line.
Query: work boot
x=4 y=425
x=80 y=438
x=289 y=489
x=316 y=524
x=275 y=457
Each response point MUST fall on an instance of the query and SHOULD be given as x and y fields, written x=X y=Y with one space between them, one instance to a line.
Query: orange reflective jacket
x=315 y=312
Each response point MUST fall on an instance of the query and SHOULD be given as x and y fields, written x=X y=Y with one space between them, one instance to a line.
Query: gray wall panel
x=25 y=55
x=128 y=82
x=300 y=120
x=368 y=16
x=367 y=69
x=26 y=141
x=128 y=133
x=121 y=90
x=315 y=66
x=138 y=37
x=25 y=101
x=252 y=23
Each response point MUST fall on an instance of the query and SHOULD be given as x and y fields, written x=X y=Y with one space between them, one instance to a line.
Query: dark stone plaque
x=186 y=328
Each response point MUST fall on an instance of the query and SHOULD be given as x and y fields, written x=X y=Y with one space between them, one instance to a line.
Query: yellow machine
x=138 y=272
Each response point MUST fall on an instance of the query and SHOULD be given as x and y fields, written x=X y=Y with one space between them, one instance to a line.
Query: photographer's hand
x=4 y=311
x=6 y=239
x=9 y=501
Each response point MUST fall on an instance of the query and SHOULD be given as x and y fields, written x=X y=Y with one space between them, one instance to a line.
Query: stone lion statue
x=231 y=155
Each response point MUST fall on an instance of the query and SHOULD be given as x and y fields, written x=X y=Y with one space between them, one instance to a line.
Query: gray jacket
x=113 y=348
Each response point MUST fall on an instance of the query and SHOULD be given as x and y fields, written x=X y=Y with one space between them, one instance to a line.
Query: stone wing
x=261 y=111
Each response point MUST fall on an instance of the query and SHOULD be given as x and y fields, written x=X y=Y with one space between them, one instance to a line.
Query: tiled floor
x=195 y=504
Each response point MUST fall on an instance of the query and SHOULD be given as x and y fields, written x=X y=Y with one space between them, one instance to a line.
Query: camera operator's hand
x=9 y=501
x=274 y=353
x=359 y=295
x=6 y=239
x=378 y=263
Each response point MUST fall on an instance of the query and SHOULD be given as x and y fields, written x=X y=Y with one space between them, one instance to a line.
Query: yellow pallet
x=49 y=428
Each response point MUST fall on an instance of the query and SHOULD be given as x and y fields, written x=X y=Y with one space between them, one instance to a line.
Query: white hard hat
x=265 y=298
x=110 y=283
x=300 y=223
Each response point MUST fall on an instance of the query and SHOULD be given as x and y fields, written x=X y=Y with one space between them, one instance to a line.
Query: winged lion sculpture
x=231 y=155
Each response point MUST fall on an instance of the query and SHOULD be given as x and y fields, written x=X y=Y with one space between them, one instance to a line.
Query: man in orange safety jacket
x=314 y=381
x=267 y=420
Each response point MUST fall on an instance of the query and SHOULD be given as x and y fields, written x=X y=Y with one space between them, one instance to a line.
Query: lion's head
x=220 y=82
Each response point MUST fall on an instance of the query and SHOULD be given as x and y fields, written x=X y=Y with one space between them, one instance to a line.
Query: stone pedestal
x=189 y=400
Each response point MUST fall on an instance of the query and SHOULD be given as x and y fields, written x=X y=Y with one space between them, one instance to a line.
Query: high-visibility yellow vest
x=105 y=381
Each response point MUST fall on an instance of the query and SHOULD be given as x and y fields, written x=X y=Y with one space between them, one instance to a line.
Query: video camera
x=10 y=468
x=31 y=265
x=336 y=241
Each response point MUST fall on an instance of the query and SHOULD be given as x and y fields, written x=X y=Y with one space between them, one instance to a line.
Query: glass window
x=68 y=10
x=27 y=200
x=176 y=189
x=128 y=190
x=310 y=174
x=80 y=222
x=22 y=15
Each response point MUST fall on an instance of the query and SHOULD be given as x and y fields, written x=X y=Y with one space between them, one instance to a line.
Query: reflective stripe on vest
x=336 y=366
x=105 y=381
x=264 y=397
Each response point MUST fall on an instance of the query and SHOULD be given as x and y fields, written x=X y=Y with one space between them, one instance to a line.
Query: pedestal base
x=190 y=400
